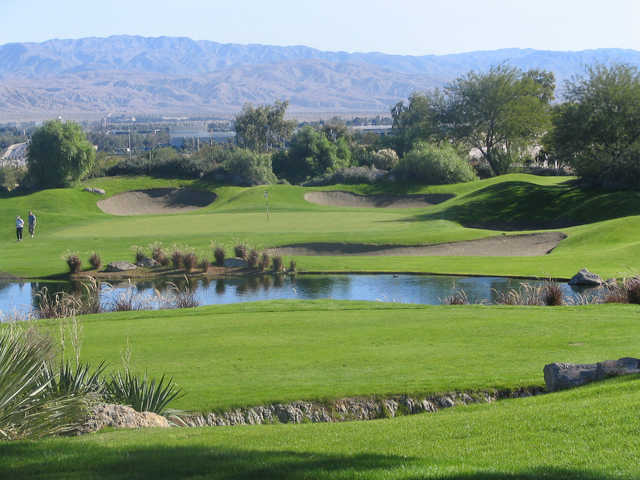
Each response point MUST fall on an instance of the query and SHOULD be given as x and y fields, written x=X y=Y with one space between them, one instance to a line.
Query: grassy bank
x=588 y=433
x=252 y=354
x=69 y=220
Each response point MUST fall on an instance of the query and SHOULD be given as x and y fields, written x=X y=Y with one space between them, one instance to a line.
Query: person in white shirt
x=19 y=227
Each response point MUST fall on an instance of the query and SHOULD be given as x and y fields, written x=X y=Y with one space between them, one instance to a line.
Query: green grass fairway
x=602 y=226
x=588 y=433
x=253 y=354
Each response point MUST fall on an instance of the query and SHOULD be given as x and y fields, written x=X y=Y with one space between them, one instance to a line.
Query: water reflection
x=420 y=289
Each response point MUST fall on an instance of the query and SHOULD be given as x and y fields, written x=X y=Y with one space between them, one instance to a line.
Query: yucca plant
x=70 y=380
x=28 y=406
x=142 y=394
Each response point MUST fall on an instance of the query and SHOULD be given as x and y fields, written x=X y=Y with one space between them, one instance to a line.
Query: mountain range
x=93 y=77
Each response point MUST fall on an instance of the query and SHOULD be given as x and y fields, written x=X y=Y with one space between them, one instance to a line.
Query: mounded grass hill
x=588 y=433
x=601 y=226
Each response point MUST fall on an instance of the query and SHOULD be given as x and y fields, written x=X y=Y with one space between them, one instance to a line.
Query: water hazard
x=21 y=297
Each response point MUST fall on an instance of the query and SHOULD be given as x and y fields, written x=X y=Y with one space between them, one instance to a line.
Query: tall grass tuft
x=140 y=256
x=182 y=297
x=74 y=263
x=65 y=305
x=253 y=259
x=142 y=394
x=190 y=261
x=459 y=297
x=240 y=251
x=160 y=256
x=95 y=261
x=293 y=266
x=204 y=265
x=277 y=264
x=632 y=286
x=551 y=294
x=263 y=264
x=177 y=259
x=219 y=254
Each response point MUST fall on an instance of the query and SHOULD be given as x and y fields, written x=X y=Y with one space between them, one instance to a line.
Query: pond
x=21 y=297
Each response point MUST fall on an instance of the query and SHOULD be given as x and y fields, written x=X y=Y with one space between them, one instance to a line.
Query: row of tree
x=503 y=115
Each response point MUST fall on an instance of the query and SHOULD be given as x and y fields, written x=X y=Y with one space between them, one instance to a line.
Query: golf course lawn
x=586 y=433
x=601 y=226
x=258 y=353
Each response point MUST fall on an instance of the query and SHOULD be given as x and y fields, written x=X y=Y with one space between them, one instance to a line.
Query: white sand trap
x=347 y=199
x=527 y=245
x=156 y=201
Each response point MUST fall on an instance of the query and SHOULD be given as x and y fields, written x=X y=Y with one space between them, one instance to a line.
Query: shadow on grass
x=76 y=460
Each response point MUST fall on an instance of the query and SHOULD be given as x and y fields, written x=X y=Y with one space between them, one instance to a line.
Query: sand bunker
x=348 y=199
x=528 y=245
x=156 y=201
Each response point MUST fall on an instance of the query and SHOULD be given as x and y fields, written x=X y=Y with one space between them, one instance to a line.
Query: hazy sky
x=391 y=26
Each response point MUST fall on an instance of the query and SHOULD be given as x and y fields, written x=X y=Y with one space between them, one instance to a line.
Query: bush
x=74 y=263
x=177 y=259
x=434 y=165
x=348 y=176
x=95 y=261
x=190 y=261
x=385 y=159
x=248 y=168
x=277 y=264
x=253 y=258
x=219 y=255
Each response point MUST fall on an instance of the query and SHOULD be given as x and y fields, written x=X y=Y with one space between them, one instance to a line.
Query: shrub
x=219 y=255
x=385 y=159
x=350 y=176
x=95 y=261
x=434 y=165
x=143 y=394
x=248 y=168
x=277 y=264
x=74 y=263
x=263 y=264
x=253 y=259
x=190 y=261
x=177 y=259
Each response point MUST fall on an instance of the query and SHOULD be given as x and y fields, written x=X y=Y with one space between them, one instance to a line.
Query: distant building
x=15 y=156
x=381 y=130
x=194 y=138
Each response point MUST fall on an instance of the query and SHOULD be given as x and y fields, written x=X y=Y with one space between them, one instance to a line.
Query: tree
x=597 y=129
x=499 y=110
x=311 y=154
x=417 y=121
x=263 y=128
x=59 y=154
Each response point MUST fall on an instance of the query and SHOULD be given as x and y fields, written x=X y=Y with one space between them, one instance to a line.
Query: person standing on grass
x=19 y=227
x=32 y=223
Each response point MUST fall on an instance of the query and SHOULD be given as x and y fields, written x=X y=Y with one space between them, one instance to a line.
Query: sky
x=410 y=27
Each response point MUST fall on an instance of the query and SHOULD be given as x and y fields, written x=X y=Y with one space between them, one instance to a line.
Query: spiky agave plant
x=142 y=393
x=28 y=407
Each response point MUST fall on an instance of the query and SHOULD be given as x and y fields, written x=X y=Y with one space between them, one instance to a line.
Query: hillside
x=166 y=75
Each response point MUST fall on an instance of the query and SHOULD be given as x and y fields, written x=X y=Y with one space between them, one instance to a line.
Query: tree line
x=504 y=117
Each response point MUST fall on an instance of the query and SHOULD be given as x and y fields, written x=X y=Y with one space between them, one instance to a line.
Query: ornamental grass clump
x=159 y=255
x=219 y=254
x=253 y=259
x=632 y=286
x=551 y=294
x=277 y=264
x=190 y=261
x=177 y=259
x=74 y=263
x=459 y=297
x=241 y=251
x=293 y=266
x=263 y=264
x=140 y=256
x=95 y=261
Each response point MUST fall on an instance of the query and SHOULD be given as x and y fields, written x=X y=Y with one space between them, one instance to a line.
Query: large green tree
x=263 y=128
x=499 y=110
x=597 y=129
x=59 y=154
x=417 y=121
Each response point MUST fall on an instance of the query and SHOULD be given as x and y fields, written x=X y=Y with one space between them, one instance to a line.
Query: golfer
x=19 y=227
x=32 y=223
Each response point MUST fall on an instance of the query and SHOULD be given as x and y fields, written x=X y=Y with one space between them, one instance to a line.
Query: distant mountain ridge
x=169 y=75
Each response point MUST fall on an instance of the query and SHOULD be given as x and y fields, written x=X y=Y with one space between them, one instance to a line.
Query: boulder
x=561 y=376
x=147 y=262
x=235 y=263
x=586 y=278
x=99 y=191
x=120 y=267
x=119 y=416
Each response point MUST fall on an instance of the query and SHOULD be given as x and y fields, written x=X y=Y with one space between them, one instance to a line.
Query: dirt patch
x=156 y=201
x=348 y=199
x=527 y=245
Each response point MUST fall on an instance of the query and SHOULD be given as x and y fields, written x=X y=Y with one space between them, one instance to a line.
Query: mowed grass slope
x=588 y=433
x=602 y=226
x=253 y=354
